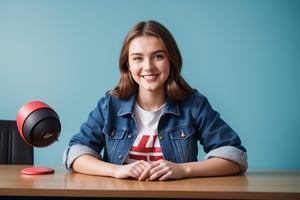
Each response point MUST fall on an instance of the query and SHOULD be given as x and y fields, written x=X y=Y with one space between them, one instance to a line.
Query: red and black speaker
x=38 y=124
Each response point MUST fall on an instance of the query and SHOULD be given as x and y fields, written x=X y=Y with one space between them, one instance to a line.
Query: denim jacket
x=111 y=127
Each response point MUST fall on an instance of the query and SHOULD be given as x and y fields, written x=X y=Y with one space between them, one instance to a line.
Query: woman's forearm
x=210 y=167
x=88 y=164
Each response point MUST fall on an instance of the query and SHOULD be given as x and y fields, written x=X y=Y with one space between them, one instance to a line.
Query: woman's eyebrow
x=158 y=51
x=154 y=52
x=135 y=54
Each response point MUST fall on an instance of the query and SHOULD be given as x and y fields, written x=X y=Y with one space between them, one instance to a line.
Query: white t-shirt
x=146 y=146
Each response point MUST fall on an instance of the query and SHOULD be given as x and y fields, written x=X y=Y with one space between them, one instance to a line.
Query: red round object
x=38 y=124
x=37 y=170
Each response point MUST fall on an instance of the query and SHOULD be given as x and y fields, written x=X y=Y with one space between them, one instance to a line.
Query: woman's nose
x=148 y=64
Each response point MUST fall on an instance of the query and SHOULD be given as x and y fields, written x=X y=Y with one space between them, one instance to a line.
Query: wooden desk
x=63 y=184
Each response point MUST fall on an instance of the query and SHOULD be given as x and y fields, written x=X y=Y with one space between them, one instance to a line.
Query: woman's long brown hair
x=176 y=87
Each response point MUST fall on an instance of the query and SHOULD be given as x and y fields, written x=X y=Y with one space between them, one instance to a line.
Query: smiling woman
x=150 y=125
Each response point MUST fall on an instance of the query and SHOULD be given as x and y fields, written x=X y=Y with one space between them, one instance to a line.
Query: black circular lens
x=42 y=127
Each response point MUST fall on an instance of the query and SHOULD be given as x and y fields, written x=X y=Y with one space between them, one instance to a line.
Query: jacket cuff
x=73 y=152
x=230 y=153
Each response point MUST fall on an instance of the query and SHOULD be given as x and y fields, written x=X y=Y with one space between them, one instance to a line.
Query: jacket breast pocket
x=113 y=138
x=185 y=141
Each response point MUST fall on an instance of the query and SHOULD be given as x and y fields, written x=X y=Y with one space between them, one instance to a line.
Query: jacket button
x=129 y=136
x=161 y=137
x=112 y=134
x=120 y=157
x=182 y=134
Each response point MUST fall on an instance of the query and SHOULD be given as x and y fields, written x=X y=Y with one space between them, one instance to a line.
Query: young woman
x=149 y=126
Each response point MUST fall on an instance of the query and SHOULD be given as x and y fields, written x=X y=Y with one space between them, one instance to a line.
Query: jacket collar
x=127 y=107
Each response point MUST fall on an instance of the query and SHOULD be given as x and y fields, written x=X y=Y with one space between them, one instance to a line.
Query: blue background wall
x=243 y=55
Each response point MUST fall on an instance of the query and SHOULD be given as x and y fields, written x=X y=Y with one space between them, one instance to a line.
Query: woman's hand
x=162 y=170
x=132 y=170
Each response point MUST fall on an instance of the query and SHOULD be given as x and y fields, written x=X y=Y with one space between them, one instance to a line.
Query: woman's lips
x=150 y=76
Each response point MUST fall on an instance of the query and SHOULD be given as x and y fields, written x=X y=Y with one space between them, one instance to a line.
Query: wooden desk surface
x=252 y=185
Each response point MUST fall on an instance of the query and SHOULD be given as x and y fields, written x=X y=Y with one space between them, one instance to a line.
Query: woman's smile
x=150 y=77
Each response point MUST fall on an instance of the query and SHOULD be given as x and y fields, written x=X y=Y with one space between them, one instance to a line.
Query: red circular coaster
x=37 y=170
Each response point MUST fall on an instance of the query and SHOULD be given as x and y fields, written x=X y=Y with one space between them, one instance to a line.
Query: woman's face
x=148 y=63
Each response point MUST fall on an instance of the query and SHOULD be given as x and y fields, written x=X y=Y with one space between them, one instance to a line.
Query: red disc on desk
x=37 y=170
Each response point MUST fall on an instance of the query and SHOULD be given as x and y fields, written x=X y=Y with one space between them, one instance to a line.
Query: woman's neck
x=150 y=101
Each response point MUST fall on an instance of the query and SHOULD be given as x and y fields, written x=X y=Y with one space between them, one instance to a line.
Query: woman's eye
x=138 y=59
x=158 y=57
